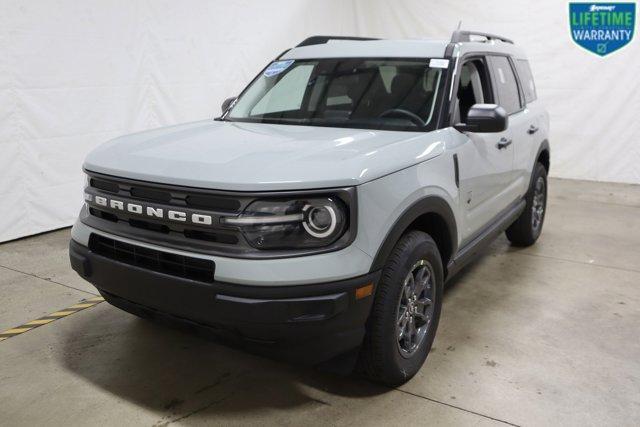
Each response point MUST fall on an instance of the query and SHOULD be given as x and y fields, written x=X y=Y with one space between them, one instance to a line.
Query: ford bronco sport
x=320 y=215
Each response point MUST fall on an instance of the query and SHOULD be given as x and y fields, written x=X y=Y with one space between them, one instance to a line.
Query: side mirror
x=485 y=118
x=227 y=103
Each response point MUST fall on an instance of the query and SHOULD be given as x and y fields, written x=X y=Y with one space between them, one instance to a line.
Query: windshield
x=395 y=94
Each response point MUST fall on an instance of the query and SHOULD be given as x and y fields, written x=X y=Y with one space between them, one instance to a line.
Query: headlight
x=292 y=223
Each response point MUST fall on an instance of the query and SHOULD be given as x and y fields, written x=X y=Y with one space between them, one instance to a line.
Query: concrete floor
x=544 y=335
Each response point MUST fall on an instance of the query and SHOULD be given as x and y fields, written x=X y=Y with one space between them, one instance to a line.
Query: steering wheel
x=412 y=116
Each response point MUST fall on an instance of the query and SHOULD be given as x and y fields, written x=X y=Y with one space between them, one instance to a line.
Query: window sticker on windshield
x=439 y=63
x=277 y=67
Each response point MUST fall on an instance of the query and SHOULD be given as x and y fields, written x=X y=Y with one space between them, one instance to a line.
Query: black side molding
x=469 y=251
x=456 y=170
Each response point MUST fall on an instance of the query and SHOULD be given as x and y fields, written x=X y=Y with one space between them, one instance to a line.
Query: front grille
x=151 y=259
x=158 y=193
x=171 y=233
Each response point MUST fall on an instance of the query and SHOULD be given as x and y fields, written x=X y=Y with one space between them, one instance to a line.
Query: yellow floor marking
x=40 y=322
x=82 y=305
x=62 y=313
x=16 y=330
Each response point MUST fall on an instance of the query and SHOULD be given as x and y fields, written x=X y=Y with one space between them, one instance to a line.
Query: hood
x=262 y=157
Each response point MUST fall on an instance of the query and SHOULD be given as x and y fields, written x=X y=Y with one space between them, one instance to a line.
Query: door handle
x=532 y=129
x=504 y=143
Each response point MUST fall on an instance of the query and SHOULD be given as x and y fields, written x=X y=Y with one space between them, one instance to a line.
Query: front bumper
x=345 y=264
x=303 y=323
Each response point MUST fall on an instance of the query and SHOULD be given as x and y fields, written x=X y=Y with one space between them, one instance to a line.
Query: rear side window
x=526 y=78
x=506 y=84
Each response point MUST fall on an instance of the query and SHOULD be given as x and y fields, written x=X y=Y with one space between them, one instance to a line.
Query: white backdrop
x=76 y=73
x=594 y=102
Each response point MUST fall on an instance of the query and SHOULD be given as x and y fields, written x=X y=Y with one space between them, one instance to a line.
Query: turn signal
x=364 y=291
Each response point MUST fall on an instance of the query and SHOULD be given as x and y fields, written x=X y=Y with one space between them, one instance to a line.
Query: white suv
x=321 y=214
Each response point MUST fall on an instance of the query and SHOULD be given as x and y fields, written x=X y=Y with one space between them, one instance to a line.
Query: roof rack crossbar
x=324 y=39
x=465 y=36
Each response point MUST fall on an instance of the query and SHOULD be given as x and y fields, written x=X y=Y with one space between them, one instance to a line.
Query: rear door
x=537 y=121
x=517 y=139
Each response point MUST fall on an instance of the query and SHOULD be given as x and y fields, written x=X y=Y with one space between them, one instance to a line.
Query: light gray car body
x=392 y=171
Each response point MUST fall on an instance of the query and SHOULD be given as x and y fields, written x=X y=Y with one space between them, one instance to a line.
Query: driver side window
x=473 y=88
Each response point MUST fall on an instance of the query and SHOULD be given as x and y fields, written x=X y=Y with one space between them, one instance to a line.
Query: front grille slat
x=209 y=202
x=151 y=259
x=111 y=187
x=150 y=194
x=104 y=215
x=146 y=225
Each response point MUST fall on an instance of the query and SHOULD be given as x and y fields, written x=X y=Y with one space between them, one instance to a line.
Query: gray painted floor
x=544 y=335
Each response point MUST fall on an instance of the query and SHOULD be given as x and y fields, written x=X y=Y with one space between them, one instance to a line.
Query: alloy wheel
x=415 y=307
x=537 y=206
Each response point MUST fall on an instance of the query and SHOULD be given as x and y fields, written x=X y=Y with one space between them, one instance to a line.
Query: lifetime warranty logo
x=602 y=28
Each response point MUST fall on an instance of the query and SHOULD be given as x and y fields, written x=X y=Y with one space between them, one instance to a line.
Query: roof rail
x=465 y=36
x=324 y=39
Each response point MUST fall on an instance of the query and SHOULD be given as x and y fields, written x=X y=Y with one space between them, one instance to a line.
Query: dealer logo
x=602 y=28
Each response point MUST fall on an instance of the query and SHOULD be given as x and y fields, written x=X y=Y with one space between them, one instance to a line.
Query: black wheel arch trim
x=544 y=146
x=430 y=204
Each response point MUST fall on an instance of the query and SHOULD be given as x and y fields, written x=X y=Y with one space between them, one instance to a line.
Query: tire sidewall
x=422 y=249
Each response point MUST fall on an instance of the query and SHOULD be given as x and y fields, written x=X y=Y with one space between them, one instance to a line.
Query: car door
x=521 y=120
x=484 y=165
x=536 y=119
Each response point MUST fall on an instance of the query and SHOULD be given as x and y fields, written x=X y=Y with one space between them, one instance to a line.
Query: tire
x=384 y=357
x=527 y=228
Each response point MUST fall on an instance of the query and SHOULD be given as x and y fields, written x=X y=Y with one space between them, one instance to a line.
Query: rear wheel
x=527 y=228
x=405 y=312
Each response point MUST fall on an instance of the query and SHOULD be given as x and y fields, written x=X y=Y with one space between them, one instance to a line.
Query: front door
x=485 y=160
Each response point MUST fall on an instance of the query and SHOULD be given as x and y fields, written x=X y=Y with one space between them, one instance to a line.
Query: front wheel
x=527 y=228
x=405 y=313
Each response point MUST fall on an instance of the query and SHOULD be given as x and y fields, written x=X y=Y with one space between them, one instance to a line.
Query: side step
x=484 y=239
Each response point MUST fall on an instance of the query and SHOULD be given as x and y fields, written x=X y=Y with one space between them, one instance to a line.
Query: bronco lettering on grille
x=150 y=211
